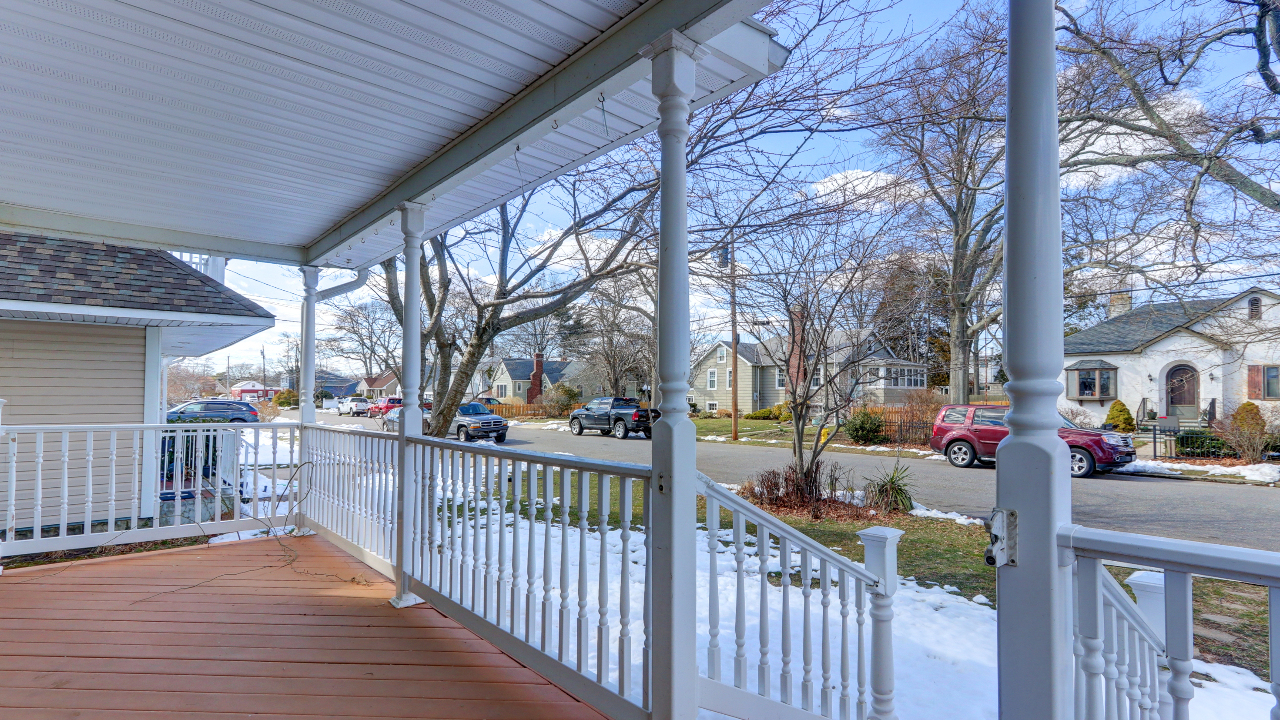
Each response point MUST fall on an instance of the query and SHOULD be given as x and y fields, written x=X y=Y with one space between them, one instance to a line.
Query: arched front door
x=1182 y=390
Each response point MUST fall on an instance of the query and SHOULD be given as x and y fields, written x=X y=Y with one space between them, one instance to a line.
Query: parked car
x=970 y=433
x=383 y=406
x=617 y=416
x=390 y=421
x=213 y=411
x=353 y=406
x=488 y=401
x=473 y=420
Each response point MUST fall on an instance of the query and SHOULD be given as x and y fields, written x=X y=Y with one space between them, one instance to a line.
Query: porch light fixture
x=1149 y=378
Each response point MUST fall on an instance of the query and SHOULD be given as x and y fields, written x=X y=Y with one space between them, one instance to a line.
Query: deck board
x=276 y=630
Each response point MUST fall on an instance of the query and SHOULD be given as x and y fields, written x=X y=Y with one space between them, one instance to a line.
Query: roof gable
x=1138 y=328
x=41 y=269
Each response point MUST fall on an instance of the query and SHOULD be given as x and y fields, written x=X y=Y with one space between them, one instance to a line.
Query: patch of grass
x=724 y=426
x=61 y=556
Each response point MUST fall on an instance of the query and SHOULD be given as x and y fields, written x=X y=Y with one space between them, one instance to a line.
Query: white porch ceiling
x=288 y=130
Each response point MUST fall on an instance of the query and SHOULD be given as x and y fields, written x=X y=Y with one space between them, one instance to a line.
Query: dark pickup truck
x=617 y=416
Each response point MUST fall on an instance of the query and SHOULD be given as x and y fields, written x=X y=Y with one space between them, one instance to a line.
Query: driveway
x=1190 y=509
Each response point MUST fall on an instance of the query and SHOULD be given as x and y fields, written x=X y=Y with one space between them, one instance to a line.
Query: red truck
x=970 y=433
x=383 y=406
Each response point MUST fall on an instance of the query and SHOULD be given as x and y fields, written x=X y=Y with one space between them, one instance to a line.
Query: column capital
x=673 y=40
x=413 y=221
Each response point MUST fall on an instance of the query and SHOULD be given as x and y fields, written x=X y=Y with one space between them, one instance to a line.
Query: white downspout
x=1034 y=618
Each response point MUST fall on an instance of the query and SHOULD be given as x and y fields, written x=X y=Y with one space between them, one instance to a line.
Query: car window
x=988 y=416
x=192 y=407
x=598 y=404
x=955 y=416
x=1067 y=423
x=394 y=401
x=473 y=409
x=625 y=402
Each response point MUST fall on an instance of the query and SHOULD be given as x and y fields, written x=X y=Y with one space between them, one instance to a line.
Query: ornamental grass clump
x=890 y=490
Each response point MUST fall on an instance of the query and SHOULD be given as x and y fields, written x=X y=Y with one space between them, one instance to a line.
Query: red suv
x=970 y=433
x=383 y=406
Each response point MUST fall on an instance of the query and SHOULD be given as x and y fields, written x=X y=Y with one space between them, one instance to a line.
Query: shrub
x=724 y=413
x=1245 y=431
x=784 y=416
x=1195 y=442
x=693 y=408
x=1078 y=415
x=890 y=490
x=286 y=398
x=267 y=410
x=559 y=400
x=761 y=414
x=1120 y=418
x=708 y=415
x=865 y=427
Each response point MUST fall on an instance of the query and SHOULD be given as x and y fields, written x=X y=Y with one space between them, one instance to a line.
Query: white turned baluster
x=135 y=492
x=473 y=517
x=1273 y=647
x=1179 y=643
x=517 y=574
x=491 y=589
x=646 y=615
x=1145 y=662
x=113 y=457
x=584 y=627
x=66 y=485
x=860 y=604
x=846 y=705
x=1090 y=618
x=824 y=580
x=713 y=588
x=548 y=484
x=88 y=484
x=530 y=599
x=467 y=582
x=784 y=677
x=740 y=601
x=806 y=647
x=430 y=515
x=562 y=622
x=602 y=627
x=1122 y=667
x=1109 y=655
x=762 y=553
x=11 y=507
x=624 y=587
x=504 y=567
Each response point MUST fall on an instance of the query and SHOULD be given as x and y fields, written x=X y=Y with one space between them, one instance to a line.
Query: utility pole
x=733 y=338
x=227 y=378
x=264 y=373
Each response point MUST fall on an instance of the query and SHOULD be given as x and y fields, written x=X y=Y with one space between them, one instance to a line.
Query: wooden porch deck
x=274 y=630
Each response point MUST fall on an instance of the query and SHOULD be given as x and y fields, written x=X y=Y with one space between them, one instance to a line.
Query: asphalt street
x=1190 y=509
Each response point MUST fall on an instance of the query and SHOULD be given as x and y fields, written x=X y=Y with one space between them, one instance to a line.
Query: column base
x=406 y=600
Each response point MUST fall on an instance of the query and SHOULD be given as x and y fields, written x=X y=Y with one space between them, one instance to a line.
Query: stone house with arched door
x=1195 y=360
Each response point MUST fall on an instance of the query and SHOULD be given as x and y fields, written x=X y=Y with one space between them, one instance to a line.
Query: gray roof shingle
x=77 y=272
x=1132 y=330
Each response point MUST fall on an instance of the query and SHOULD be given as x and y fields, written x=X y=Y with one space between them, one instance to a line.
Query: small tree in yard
x=286 y=398
x=559 y=400
x=1245 y=431
x=1120 y=418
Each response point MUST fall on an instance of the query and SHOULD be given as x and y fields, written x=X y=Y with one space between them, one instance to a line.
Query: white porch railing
x=1134 y=659
x=68 y=487
x=547 y=557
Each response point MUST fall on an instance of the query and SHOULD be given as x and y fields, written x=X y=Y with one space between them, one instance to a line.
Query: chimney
x=798 y=356
x=1119 y=304
x=535 y=380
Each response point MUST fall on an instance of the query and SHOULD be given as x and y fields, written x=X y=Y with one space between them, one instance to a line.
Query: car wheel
x=575 y=426
x=464 y=434
x=960 y=454
x=500 y=437
x=1082 y=464
x=620 y=430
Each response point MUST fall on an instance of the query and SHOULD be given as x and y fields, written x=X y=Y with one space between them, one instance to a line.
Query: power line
x=263 y=282
x=1179 y=285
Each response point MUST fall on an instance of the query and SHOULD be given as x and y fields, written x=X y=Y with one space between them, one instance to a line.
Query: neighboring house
x=522 y=380
x=337 y=385
x=85 y=326
x=882 y=378
x=252 y=391
x=384 y=384
x=1194 y=360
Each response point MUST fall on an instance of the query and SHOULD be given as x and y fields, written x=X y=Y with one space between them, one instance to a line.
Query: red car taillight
x=635 y=416
x=253 y=412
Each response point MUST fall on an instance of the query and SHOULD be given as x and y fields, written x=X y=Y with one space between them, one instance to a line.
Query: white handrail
x=1258 y=567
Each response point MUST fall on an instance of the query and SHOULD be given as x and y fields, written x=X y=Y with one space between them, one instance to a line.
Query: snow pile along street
x=1260 y=473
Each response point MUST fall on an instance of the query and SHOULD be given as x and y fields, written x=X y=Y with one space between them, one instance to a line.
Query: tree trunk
x=959 y=345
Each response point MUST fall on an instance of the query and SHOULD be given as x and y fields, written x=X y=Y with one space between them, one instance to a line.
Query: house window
x=689 y=399
x=1255 y=308
x=713 y=406
x=1091 y=384
x=730 y=378
x=500 y=391
x=904 y=377
x=519 y=387
x=721 y=354
x=1271 y=384
x=780 y=378
x=815 y=382
x=711 y=379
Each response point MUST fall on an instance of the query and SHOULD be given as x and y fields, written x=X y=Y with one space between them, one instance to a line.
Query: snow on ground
x=922 y=511
x=250 y=534
x=714 y=438
x=944 y=644
x=267 y=447
x=555 y=425
x=1262 y=472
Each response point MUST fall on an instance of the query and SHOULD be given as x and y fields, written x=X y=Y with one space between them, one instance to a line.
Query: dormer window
x=721 y=354
x=1255 y=308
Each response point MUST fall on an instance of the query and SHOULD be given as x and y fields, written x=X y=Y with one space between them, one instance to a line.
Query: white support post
x=674 y=673
x=412 y=224
x=306 y=390
x=881 y=557
x=6 y=512
x=151 y=380
x=1034 y=618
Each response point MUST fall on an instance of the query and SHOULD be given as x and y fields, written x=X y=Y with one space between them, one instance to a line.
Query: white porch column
x=307 y=381
x=674 y=672
x=152 y=377
x=1032 y=476
x=412 y=224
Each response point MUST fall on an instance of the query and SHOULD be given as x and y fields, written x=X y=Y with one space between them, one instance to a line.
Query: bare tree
x=363 y=332
x=190 y=378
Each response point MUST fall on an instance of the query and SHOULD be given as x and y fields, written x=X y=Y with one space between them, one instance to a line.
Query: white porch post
x=674 y=672
x=1032 y=477
x=152 y=373
x=307 y=381
x=412 y=224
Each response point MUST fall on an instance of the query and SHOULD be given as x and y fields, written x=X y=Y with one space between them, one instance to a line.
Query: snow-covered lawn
x=1260 y=473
